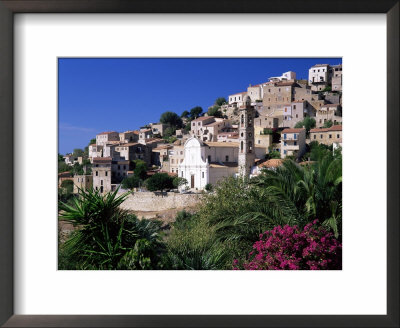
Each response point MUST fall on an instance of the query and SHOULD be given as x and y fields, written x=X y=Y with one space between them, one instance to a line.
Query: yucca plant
x=108 y=237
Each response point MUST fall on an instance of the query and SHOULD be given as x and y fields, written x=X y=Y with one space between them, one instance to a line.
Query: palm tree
x=293 y=195
x=108 y=237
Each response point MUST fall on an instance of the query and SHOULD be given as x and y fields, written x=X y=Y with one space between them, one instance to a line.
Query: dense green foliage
x=130 y=182
x=109 y=237
x=308 y=123
x=195 y=112
x=220 y=101
x=225 y=227
x=159 y=182
x=172 y=119
x=214 y=111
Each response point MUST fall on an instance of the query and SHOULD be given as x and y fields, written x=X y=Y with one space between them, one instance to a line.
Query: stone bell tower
x=246 y=138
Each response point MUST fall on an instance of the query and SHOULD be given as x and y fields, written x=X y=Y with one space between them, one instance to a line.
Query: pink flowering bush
x=290 y=248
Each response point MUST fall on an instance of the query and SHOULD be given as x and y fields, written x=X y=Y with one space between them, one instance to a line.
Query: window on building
x=227 y=158
x=101 y=182
x=330 y=136
x=295 y=143
x=294 y=106
x=97 y=173
x=297 y=116
x=322 y=136
x=285 y=152
x=209 y=158
x=182 y=174
x=106 y=173
x=295 y=136
x=259 y=141
x=284 y=136
x=338 y=136
x=124 y=167
x=119 y=167
x=202 y=175
x=315 y=136
x=241 y=145
x=285 y=143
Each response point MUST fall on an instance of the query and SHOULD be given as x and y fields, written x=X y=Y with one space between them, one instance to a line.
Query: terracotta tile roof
x=107 y=132
x=221 y=144
x=332 y=128
x=271 y=163
x=202 y=118
x=285 y=84
x=129 y=144
x=239 y=93
x=224 y=164
x=293 y=130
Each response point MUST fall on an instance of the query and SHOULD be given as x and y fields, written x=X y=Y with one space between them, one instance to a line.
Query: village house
x=207 y=128
x=69 y=159
x=328 y=112
x=145 y=133
x=105 y=137
x=284 y=77
x=129 y=136
x=271 y=164
x=336 y=76
x=293 y=143
x=158 y=128
x=83 y=182
x=176 y=156
x=107 y=173
x=160 y=156
x=228 y=137
x=237 y=98
x=327 y=136
x=318 y=77
x=130 y=151
x=262 y=136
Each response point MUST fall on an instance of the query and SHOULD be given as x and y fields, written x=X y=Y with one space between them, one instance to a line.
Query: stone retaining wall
x=150 y=201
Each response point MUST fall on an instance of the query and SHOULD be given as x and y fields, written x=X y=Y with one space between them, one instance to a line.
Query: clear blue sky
x=119 y=94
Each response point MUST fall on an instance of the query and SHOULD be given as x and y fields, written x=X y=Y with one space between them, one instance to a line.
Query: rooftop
x=224 y=164
x=332 y=128
x=271 y=163
x=202 y=118
x=107 y=132
x=293 y=130
x=221 y=144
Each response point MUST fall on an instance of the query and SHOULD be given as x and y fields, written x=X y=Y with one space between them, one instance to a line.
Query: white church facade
x=208 y=162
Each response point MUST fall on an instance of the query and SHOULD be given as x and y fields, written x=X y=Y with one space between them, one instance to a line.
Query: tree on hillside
x=214 y=111
x=169 y=131
x=308 y=123
x=60 y=158
x=159 y=181
x=140 y=169
x=178 y=182
x=185 y=114
x=172 y=119
x=130 y=182
x=78 y=152
x=195 y=112
x=220 y=101
x=328 y=124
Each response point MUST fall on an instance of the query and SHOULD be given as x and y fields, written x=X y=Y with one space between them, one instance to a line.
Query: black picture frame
x=10 y=7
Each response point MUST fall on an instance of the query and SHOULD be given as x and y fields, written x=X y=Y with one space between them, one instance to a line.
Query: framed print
x=67 y=68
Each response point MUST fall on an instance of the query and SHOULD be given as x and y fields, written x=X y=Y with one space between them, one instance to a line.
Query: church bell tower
x=246 y=138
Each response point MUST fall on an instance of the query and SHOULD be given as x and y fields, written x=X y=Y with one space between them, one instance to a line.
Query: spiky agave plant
x=107 y=234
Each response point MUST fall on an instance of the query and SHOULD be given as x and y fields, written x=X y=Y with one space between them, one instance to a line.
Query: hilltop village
x=238 y=136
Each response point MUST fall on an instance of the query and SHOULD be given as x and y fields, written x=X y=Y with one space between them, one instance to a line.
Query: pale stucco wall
x=149 y=201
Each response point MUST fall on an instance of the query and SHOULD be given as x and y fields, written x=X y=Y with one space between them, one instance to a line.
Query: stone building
x=158 y=128
x=207 y=128
x=131 y=151
x=161 y=157
x=145 y=133
x=228 y=136
x=293 y=142
x=176 y=156
x=328 y=136
x=318 y=77
x=105 y=137
x=262 y=136
x=237 y=98
x=129 y=136
x=336 y=75
x=246 y=138
x=328 y=112
x=284 y=77
x=101 y=172
x=82 y=182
